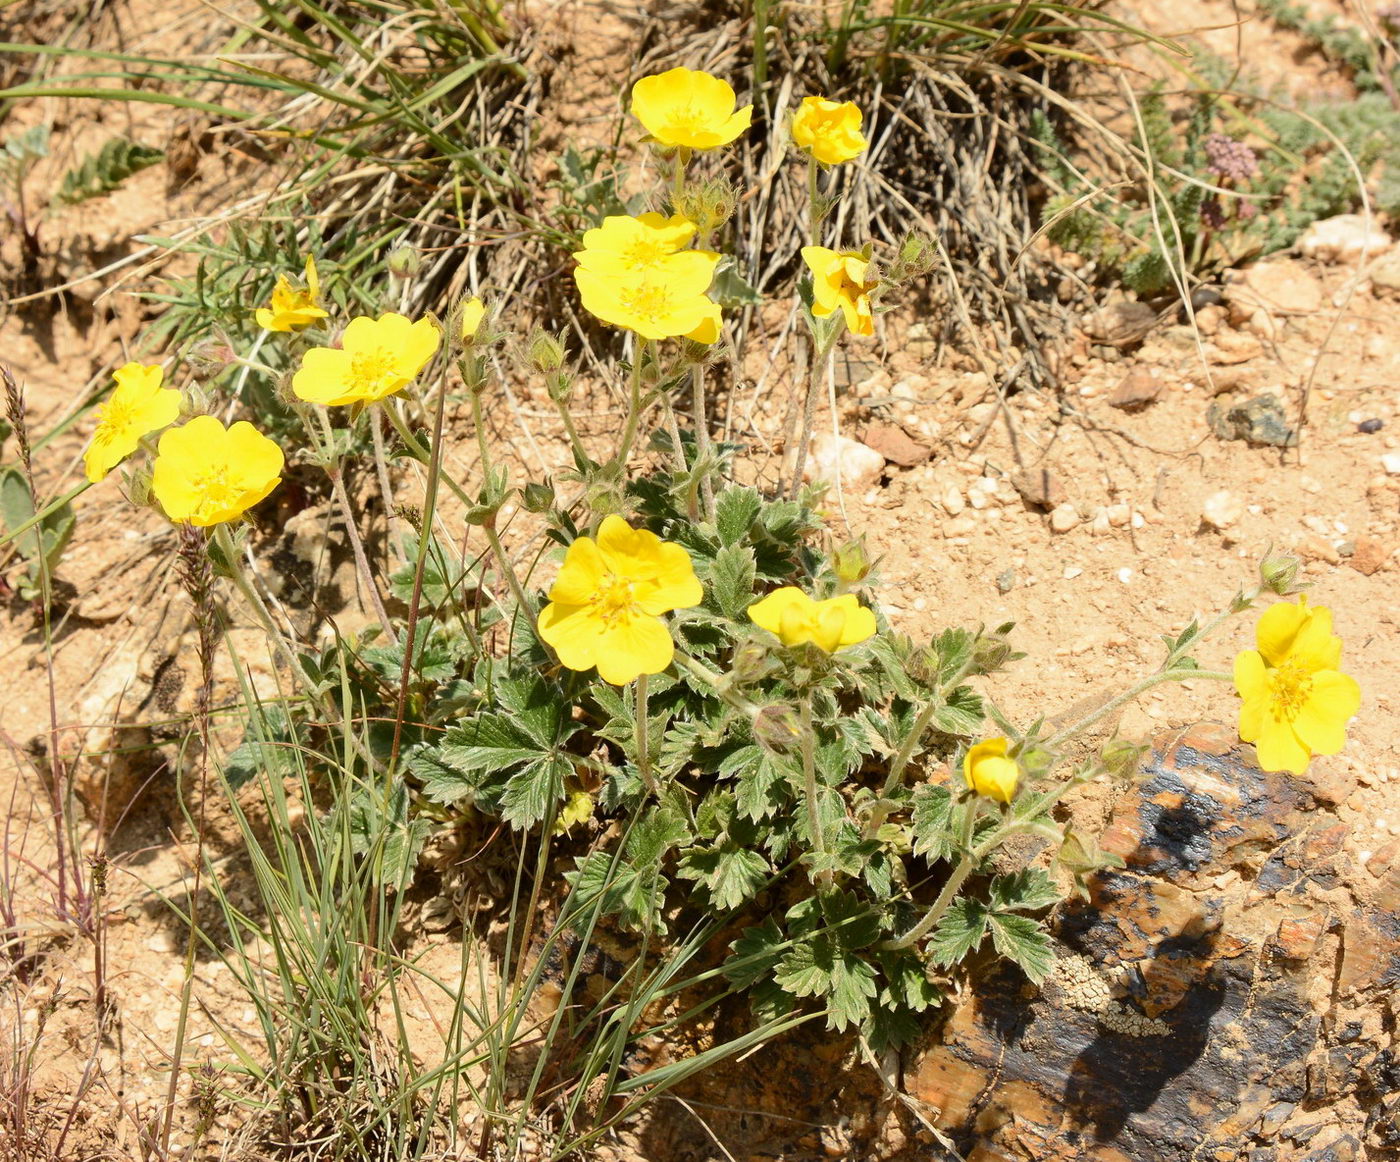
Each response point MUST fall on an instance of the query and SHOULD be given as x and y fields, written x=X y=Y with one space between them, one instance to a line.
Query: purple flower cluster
x=1228 y=158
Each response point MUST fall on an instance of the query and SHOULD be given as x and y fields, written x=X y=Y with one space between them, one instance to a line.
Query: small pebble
x=1370 y=427
x=1065 y=517
x=1125 y=575
x=1391 y=463
x=1006 y=581
x=1071 y=572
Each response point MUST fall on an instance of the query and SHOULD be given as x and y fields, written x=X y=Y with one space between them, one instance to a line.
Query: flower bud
x=404 y=262
x=750 y=663
x=538 y=497
x=1279 y=574
x=1121 y=758
x=545 y=352
x=990 y=652
x=138 y=487
x=209 y=358
x=777 y=729
x=989 y=772
x=851 y=562
x=923 y=667
x=469 y=320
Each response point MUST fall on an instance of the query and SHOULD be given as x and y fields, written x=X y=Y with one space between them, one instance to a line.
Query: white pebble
x=1391 y=463
x=1071 y=572
x=1125 y=575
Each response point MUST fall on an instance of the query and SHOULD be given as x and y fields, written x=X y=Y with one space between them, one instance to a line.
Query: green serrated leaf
x=962 y=713
x=736 y=508
x=534 y=792
x=105 y=170
x=932 y=822
x=731 y=874
x=1023 y=940
x=852 y=989
x=1027 y=890
x=730 y=289
x=959 y=931
x=754 y=954
x=732 y=575
x=805 y=970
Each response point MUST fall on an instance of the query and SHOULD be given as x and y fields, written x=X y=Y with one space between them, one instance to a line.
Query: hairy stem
x=809 y=778
x=1181 y=675
x=640 y=714
x=950 y=890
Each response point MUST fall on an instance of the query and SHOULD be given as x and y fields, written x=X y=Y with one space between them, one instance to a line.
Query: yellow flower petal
x=829 y=130
x=137 y=407
x=989 y=772
x=796 y=619
x=1321 y=724
x=472 y=314
x=623 y=245
x=376 y=358
x=631 y=647
x=1279 y=749
x=572 y=631
x=1278 y=627
x=685 y=108
x=605 y=607
x=206 y=474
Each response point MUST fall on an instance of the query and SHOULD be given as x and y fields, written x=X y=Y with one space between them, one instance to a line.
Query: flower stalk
x=809 y=779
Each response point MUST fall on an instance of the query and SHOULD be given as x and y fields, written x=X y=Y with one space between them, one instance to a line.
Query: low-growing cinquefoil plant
x=697 y=723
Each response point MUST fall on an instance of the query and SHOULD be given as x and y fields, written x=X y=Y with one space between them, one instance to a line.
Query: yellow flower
x=839 y=280
x=577 y=808
x=138 y=407
x=207 y=474
x=376 y=358
x=687 y=109
x=829 y=130
x=661 y=303
x=830 y=625
x=606 y=604
x=623 y=245
x=473 y=311
x=292 y=308
x=989 y=772
x=1296 y=702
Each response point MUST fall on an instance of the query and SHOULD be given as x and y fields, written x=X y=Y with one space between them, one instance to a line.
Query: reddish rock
x=1040 y=487
x=1136 y=390
x=1370 y=556
x=896 y=445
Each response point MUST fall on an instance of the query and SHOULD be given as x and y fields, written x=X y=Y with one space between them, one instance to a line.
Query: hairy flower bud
x=851 y=562
x=777 y=729
x=1279 y=574
x=538 y=497
x=545 y=352
x=1121 y=758
x=404 y=262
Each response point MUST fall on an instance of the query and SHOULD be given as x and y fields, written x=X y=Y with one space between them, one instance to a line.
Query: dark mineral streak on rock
x=1210 y=938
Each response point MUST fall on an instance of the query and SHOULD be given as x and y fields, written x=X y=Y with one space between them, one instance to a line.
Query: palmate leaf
x=754 y=954
x=932 y=822
x=852 y=989
x=960 y=930
x=729 y=873
x=962 y=713
x=1023 y=940
x=1027 y=890
x=512 y=760
x=736 y=509
x=731 y=577
x=760 y=780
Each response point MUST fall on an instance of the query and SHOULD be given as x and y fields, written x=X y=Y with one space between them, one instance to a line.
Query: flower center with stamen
x=215 y=488
x=370 y=369
x=651 y=301
x=643 y=253
x=615 y=600
x=1290 y=686
x=116 y=417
